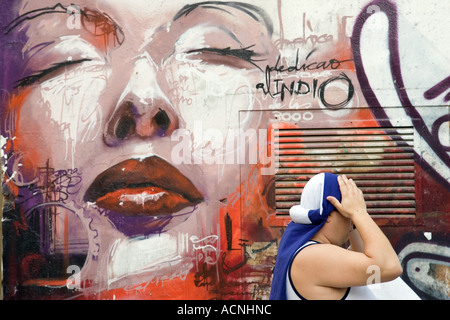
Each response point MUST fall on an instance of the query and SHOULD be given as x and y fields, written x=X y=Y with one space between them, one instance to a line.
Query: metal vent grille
x=380 y=160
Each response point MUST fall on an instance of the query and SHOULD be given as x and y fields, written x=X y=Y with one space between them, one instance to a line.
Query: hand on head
x=352 y=202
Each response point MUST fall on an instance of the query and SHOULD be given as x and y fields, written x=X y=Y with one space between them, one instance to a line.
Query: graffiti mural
x=150 y=150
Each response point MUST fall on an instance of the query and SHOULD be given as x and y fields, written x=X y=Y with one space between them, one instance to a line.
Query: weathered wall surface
x=152 y=151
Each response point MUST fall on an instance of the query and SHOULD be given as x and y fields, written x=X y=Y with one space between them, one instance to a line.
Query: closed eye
x=245 y=54
x=30 y=80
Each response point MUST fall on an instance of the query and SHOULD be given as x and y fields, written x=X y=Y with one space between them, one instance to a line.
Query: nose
x=143 y=111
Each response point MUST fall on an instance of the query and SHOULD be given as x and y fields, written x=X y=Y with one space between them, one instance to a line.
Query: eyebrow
x=101 y=21
x=256 y=13
x=58 y=8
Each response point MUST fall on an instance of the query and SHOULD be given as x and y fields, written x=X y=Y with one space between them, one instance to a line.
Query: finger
x=334 y=202
x=355 y=187
x=352 y=185
x=343 y=183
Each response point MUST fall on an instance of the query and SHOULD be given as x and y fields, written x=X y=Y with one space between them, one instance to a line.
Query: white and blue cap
x=314 y=207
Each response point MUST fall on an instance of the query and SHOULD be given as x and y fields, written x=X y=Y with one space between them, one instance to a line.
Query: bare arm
x=356 y=243
x=326 y=270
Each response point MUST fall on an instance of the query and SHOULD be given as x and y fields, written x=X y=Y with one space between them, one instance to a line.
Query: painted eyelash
x=30 y=80
x=242 y=53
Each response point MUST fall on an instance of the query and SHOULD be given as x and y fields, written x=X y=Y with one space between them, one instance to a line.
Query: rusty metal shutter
x=380 y=160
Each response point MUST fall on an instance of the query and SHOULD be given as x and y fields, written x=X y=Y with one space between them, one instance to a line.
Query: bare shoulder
x=327 y=265
x=315 y=258
x=311 y=268
x=318 y=253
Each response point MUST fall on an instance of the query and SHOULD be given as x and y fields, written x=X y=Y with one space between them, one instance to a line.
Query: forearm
x=356 y=243
x=377 y=246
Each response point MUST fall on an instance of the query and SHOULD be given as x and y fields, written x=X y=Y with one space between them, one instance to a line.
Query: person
x=312 y=262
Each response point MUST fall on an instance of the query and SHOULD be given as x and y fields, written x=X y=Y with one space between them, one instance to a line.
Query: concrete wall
x=152 y=151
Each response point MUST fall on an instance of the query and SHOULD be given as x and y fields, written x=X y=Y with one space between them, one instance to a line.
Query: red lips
x=143 y=188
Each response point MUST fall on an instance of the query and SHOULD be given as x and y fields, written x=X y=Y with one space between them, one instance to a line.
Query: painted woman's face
x=125 y=109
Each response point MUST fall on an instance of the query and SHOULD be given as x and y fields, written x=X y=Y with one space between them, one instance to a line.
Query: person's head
x=336 y=229
x=126 y=106
x=318 y=213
